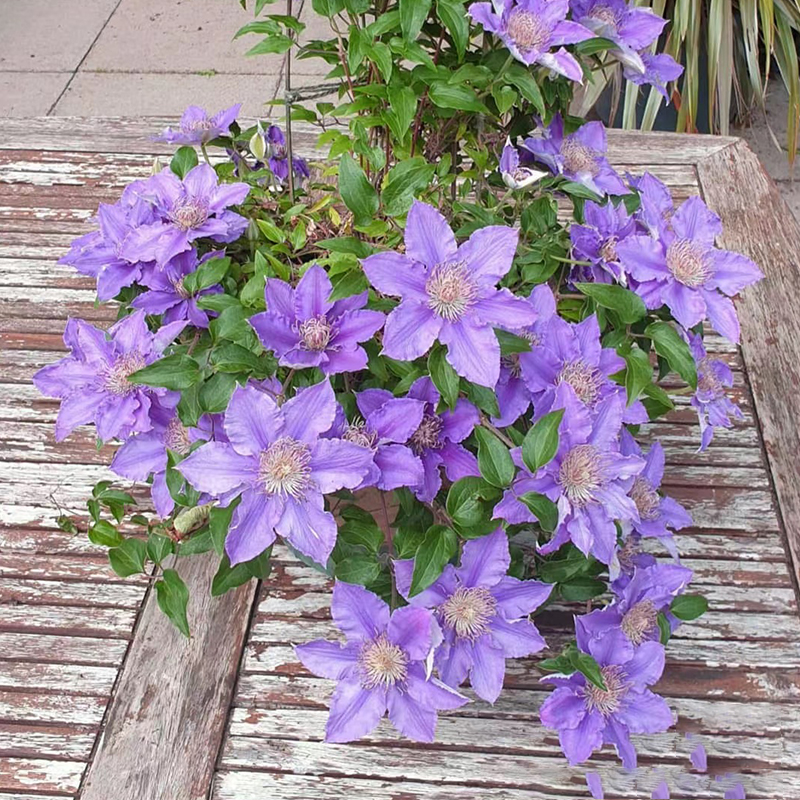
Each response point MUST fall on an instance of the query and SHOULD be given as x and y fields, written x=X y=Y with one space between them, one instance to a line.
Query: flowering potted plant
x=414 y=316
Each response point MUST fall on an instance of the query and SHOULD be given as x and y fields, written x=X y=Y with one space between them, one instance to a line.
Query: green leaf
x=687 y=607
x=404 y=180
x=216 y=392
x=128 y=558
x=470 y=501
x=207 y=274
x=455 y=21
x=276 y=43
x=494 y=459
x=403 y=107
x=524 y=81
x=504 y=98
x=413 y=14
x=358 y=193
x=229 y=577
x=628 y=306
x=444 y=377
x=671 y=347
x=437 y=548
x=159 y=547
x=327 y=8
x=656 y=401
x=459 y=97
x=589 y=47
x=345 y=284
x=230 y=357
x=543 y=508
x=358 y=569
x=184 y=160
x=198 y=543
x=541 y=441
x=483 y=397
x=359 y=528
x=511 y=344
x=639 y=373
x=581 y=589
x=588 y=667
x=271 y=231
x=219 y=520
x=664 y=628
x=105 y=534
x=173 y=597
x=172 y=372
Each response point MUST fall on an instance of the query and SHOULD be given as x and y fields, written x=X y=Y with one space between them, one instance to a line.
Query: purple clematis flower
x=530 y=29
x=513 y=396
x=189 y=209
x=100 y=253
x=656 y=208
x=597 y=240
x=714 y=407
x=305 y=330
x=388 y=423
x=578 y=156
x=146 y=453
x=436 y=440
x=167 y=294
x=657 y=513
x=571 y=353
x=483 y=613
x=589 y=479
x=684 y=271
x=633 y=617
x=449 y=293
x=587 y=717
x=92 y=381
x=514 y=174
x=277 y=461
x=382 y=666
x=278 y=157
x=657 y=70
x=196 y=127
x=632 y=29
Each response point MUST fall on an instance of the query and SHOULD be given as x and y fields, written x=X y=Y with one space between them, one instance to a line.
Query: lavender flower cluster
x=267 y=364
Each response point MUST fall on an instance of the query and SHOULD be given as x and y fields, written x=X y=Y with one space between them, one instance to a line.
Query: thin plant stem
x=287 y=94
x=498 y=433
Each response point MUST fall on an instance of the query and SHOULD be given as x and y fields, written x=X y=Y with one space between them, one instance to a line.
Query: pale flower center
x=645 y=497
x=608 y=252
x=707 y=380
x=315 y=333
x=198 y=125
x=528 y=31
x=584 y=379
x=189 y=213
x=581 y=473
x=627 y=553
x=382 y=664
x=428 y=436
x=358 y=433
x=115 y=377
x=176 y=437
x=285 y=468
x=511 y=363
x=451 y=290
x=608 y=701
x=578 y=157
x=181 y=290
x=688 y=262
x=605 y=15
x=639 y=622
x=468 y=611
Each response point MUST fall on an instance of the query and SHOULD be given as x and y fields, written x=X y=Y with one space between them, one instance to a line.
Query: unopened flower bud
x=258 y=147
x=157 y=166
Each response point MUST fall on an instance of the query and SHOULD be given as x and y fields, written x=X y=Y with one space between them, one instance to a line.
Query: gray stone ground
x=155 y=57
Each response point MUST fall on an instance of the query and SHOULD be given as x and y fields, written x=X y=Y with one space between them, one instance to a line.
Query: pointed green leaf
x=173 y=597
x=541 y=441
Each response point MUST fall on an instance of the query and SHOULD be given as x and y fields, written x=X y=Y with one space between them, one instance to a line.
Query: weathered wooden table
x=101 y=698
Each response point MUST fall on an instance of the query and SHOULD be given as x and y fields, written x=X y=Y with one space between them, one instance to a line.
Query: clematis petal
x=328 y=659
x=338 y=464
x=252 y=421
x=310 y=412
x=355 y=711
x=308 y=527
x=489 y=253
x=473 y=351
x=217 y=468
x=488 y=669
x=484 y=561
x=358 y=613
x=252 y=528
x=410 y=330
x=429 y=238
x=412 y=629
x=312 y=293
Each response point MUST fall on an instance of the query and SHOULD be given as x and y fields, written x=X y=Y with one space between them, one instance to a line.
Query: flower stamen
x=382 y=664
x=645 y=497
x=358 y=433
x=609 y=701
x=315 y=333
x=687 y=261
x=640 y=621
x=115 y=377
x=580 y=474
x=578 y=157
x=428 y=436
x=451 y=290
x=583 y=378
x=285 y=468
x=176 y=437
x=528 y=31
x=189 y=213
x=468 y=611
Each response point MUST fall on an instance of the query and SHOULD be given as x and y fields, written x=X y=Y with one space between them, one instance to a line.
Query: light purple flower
x=589 y=479
x=661 y=792
x=513 y=396
x=514 y=174
x=101 y=252
x=656 y=207
x=189 y=209
x=483 y=613
x=388 y=423
x=587 y=717
x=449 y=293
x=714 y=407
x=531 y=29
x=381 y=667
x=578 y=156
x=277 y=462
x=92 y=381
x=632 y=29
x=436 y=440
x=595 y=784
x=305 y=330
x=196 y=127
x=699 y=758
x=278 y=157
x=571 y=354
x=632 y=619
x=736 y=793
x=684 y=271
x=597 y=240
x=658 y=515
x=167 y=294
x=656 y=70
x=146 y=453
